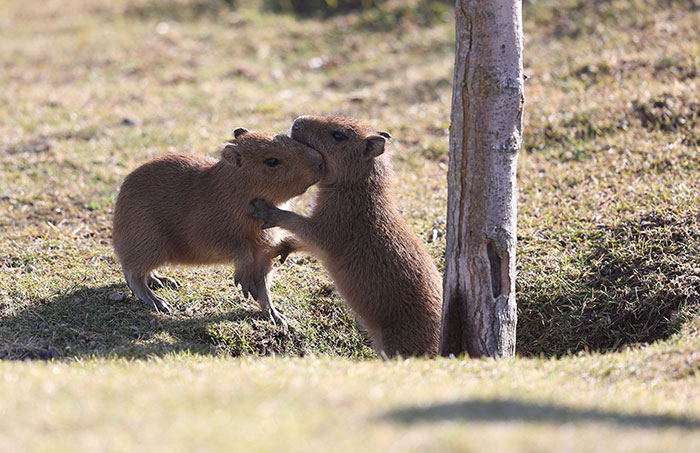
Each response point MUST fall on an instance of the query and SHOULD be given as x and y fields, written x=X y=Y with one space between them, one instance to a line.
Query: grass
x=641 y=400
x=609 y=239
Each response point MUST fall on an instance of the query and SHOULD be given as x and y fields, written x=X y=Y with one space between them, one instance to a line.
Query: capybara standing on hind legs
x=379 y=266
x=187 y=209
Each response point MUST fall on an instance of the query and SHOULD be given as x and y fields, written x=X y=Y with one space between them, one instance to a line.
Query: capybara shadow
x=85 y=322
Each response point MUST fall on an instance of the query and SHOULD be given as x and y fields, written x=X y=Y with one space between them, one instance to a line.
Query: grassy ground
x=637 y=401
x=609 y=228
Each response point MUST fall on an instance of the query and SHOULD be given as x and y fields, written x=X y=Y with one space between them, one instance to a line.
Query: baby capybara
x=187 y=209
x=380 y=267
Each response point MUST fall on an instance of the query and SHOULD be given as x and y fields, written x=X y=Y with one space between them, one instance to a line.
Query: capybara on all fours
x=187 y=209
x=382 y=270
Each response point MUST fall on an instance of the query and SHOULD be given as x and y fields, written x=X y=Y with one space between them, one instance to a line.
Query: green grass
x=608 y=229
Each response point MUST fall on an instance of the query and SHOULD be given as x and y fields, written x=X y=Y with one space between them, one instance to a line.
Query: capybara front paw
x=157 y=281
x=265 y=211
x=154 y=282
x=162 y=305
x=277 y=317
x=170 y=282
x=247 y=283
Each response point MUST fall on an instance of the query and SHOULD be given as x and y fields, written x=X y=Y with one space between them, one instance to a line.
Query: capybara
x=187 y=209
x=381 y=269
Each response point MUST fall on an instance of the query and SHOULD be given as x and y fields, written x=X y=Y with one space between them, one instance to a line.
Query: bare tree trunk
x=479 y=311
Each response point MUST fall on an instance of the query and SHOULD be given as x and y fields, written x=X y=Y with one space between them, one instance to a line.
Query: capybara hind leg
x=140 y=288
x=263 y=298
x=160 y=281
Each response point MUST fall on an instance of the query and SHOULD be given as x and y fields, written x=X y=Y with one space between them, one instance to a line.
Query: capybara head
x=349 y=147
x=278 y=167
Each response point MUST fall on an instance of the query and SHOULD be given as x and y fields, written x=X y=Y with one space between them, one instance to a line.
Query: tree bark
x=479 y=310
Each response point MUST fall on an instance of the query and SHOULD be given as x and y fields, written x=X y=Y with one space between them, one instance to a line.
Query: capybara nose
x=296 y=126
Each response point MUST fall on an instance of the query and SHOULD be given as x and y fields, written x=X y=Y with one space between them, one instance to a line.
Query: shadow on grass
x=630 y=283
x=85 y=322
x=479 y=410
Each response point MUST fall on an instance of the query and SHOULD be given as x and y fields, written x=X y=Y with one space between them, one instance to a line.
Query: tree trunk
x=479 y=311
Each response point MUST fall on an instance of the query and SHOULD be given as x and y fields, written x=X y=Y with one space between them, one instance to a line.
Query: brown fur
x=189 y=209
x=380 y=267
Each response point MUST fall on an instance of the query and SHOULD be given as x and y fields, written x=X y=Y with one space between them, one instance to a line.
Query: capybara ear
x=240 y=131
x=385 y=134
x=374 y=146
x=232 y=155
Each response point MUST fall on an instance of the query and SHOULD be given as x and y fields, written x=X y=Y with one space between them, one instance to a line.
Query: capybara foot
x=247 y=282
x=154 y=282
x=276 y=317
x=161 y=305
x=141 y=290
x=158 y=281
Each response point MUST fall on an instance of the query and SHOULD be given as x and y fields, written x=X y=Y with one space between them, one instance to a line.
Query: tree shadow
x=630 y=283
x=86 y=323
x=501 y=410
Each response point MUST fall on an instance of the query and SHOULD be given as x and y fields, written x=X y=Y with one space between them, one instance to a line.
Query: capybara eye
x=272 y=162
x=339 y=136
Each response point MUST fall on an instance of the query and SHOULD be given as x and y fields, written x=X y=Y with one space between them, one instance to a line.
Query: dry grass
x=608 y=223
x=609 y=235
x=641 y=401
